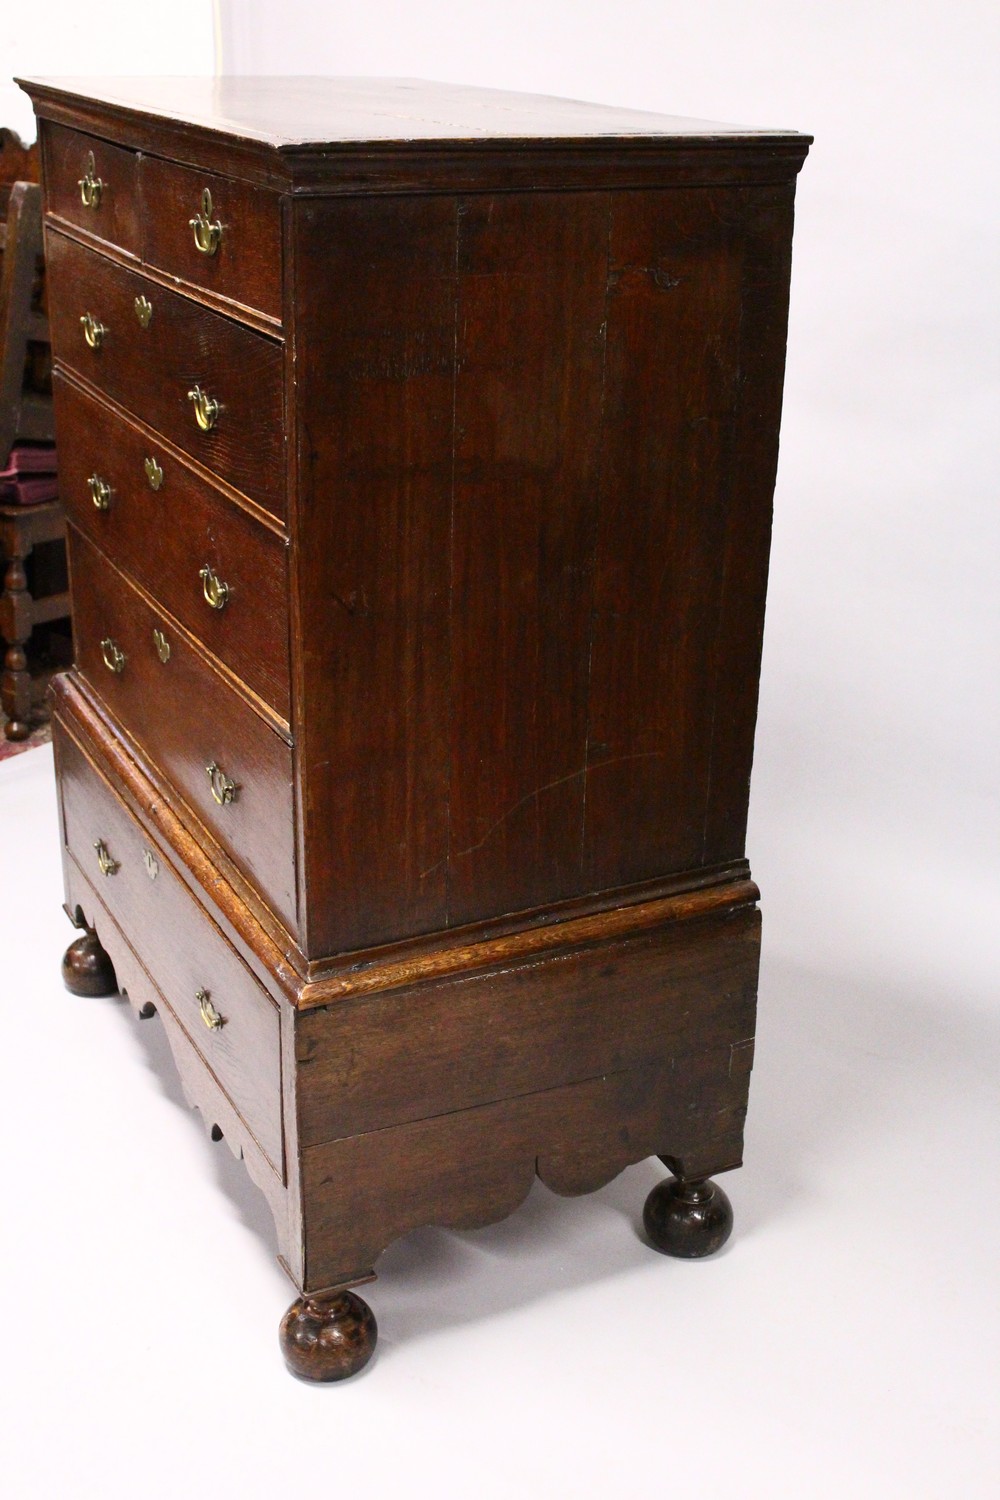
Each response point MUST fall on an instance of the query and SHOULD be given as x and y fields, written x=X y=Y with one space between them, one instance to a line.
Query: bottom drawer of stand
x=228 y=1018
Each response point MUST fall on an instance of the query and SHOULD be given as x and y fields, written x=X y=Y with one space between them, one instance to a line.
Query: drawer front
x=166 y=536
x=92 y=185
x=187 y=718
x=233 y=248
x=154 y=370
x=186 y=954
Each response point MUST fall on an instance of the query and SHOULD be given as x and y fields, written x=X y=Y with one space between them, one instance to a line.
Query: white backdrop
x=875 y=815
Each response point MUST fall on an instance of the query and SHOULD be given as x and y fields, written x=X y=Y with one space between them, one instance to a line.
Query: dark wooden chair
x=25 y=415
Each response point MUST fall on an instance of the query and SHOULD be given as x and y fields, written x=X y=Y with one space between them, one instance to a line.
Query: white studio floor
x=845 y=1344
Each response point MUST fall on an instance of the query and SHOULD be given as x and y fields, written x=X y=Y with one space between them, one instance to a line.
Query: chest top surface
x=301 y=111
x=314 y=134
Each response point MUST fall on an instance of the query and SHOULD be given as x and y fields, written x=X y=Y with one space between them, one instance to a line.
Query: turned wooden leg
x=688 y=1218
x=15 y=686
x=328 y=1338
x=87 y=969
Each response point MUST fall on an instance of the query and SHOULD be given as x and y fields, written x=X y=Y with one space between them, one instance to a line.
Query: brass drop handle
x=207 y=232
x=93 y=330
x=90 y=186
x=224 y=789
x=100 y=491
x=143 y=311
x=114 y=657
x=216 y=592
x=108 y=865
x=206 y=408
x=211 y=1017
x=154 y=473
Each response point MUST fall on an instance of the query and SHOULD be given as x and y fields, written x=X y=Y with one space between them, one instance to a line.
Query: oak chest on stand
x=418 y=445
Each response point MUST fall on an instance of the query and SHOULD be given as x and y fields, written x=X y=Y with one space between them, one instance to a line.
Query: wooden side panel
x=672 y=382
x=736 y=665
x=532 y=283
x=374 y=287
x=529 y=660
x=381 y=1060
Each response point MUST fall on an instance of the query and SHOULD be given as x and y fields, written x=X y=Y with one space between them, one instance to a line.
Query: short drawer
x=230 y=767
x=226 y=1014
x=208 y=384
x=92 y=185
x=218 y=233
x=212 y=566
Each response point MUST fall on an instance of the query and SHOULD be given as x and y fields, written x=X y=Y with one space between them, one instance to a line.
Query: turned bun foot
x=328 y=1338
x=688 y=1219
x=16 y=729
x=87 y=969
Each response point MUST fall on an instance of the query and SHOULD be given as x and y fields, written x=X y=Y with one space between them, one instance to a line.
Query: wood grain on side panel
x=672 y=374
x=530 y=354
x=735 y=667
x=375 y=346
x=509 y=650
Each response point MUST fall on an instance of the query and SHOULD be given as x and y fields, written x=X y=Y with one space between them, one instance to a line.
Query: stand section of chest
x=430 y=1104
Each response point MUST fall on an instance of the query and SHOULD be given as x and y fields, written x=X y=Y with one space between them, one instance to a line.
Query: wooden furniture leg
x=328 y=1338
x=87 y=969
x=688 y=1217
x=15 y=615
x=22 y=528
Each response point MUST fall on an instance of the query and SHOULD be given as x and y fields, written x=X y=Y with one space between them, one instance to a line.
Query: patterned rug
x=41 y=734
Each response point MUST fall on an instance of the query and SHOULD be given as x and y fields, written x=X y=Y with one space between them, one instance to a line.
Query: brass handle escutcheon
x=216 y=592
x=162 y=645
x=90 y=186
x=100 y=492
x=207 y=232
x=108 y=865
x=93 y=330
x=154 y=473
x=114 y=657
x=143 y=311
x=211 y=1017
x=206 y=408
x=224 y=789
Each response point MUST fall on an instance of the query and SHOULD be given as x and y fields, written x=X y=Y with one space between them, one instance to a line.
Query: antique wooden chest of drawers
x=418 y=445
